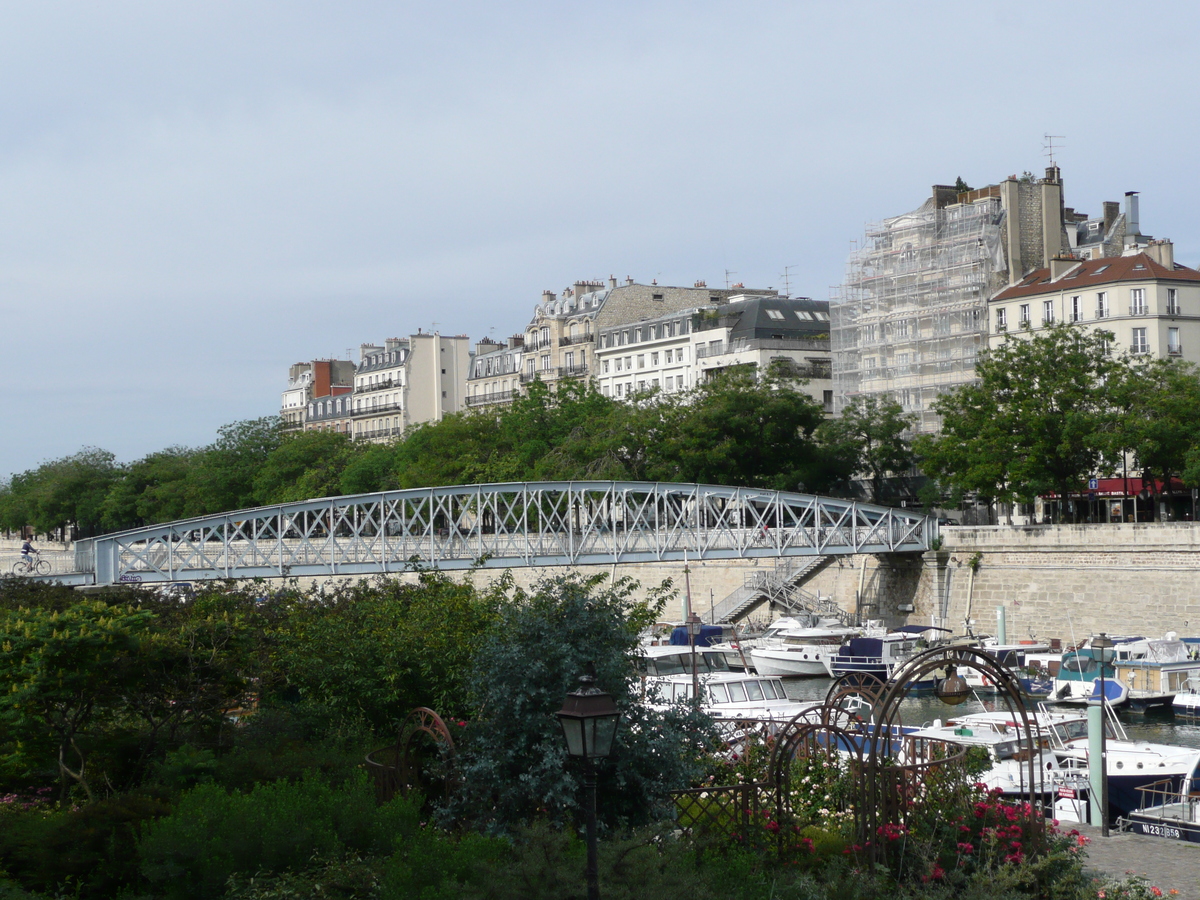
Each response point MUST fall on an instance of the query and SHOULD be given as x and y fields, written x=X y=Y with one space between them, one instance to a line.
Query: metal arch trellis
x=879 y=782
x=506 y=525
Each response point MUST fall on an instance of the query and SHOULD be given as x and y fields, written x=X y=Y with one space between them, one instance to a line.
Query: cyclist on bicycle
x=27 y=551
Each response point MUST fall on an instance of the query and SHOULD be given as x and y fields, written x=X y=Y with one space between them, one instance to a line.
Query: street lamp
x=1102 y=650
x=953 y=689
x=589 y=719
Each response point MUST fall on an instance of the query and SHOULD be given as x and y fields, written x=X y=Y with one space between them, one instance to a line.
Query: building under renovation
x=911 y=316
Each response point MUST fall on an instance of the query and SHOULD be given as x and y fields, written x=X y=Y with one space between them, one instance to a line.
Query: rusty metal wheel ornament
x=411 y=759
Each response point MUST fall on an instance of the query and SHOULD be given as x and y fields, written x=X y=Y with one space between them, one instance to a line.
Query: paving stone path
x=1166 y=864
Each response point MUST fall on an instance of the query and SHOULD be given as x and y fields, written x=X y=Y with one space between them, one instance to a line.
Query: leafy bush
x=275 y=828
x=92 y=849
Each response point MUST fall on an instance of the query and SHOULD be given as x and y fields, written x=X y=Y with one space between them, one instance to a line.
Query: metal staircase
x=780 y=587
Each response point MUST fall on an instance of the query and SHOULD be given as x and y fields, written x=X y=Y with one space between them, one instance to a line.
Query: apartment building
x=912 y=314
x=676 y=352
x=495 y=376
x=407 y=381
x=1147 y=300
x=308 y=381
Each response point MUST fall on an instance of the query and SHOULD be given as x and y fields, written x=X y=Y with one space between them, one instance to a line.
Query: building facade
x=311 y=380
x=407 y=381
x=912 y=314
x=1150 y=303
x=495 y=377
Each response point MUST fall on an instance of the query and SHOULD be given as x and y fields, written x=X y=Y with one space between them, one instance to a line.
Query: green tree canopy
x=869 y=437
x=1037 y=420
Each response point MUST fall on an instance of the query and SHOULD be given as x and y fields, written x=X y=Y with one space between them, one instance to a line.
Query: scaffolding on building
x=912 y=314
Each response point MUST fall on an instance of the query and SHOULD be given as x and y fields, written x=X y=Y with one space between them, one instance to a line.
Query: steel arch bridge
x=553 y=523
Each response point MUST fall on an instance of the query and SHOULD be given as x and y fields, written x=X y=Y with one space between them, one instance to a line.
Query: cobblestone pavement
x=1166 y=864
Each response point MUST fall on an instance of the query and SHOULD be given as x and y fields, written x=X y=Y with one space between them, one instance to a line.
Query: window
x=1173 y=346
x=546 y=362
x=1076 y=309
x=618 y=364
x=629 y=363
x=667 y=356
x=1001 y=319
x=870 y=363
x=1047 y=312
x=656 y=296
x=606 y=367
x=1139 y=344
x=1137 y=302
x=1102 y=305
x=637 y=335
x=1024 y=314
x=529 y=366
x=774 y=314
x=680 y=355
x=902 y=326
x=670 y=382
x=569 y=359
x=654 y=359
x=641 y=360
x=1172 y=301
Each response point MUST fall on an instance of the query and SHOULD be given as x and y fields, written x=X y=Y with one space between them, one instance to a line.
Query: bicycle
x=35 y=565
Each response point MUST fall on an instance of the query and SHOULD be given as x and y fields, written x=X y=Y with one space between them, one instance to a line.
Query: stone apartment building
x=678 y=351
x=309 y=381
x=912 y=314
x=1147 y=300
x=407 y=381
x=560 y=340
x=495 y=376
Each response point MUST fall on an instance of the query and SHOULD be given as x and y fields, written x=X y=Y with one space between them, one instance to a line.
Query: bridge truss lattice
x=504 y=526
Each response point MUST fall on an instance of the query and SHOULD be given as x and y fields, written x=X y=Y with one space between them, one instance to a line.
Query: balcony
x=1175 y=350
x=1047 y=320
x=489 y=399
x=572 y=371
x=376 y=410
x=382 y=386
x=572 y=339
x=1138 y=309
x=1139 y=349
x=527 y=377
x=1102 y=312
x=1173 y=309
x=703 y=352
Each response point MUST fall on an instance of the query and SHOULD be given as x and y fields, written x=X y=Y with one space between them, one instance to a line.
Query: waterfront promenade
x=1166 y=864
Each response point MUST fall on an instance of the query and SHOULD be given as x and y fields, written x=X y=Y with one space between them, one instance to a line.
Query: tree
x=514 y=764
x=153 y=489
x=738 y=429
x=222 y=477
x=869 y=436
x=60 y=672
x=304 y=465
x=1156 y=401
x=67 y=491
x=1042 y=410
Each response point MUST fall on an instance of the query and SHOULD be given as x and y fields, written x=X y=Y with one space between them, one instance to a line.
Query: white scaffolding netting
x=912 y=313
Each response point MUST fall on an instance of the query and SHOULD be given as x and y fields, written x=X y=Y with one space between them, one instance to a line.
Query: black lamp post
x=589 y=719
x=1102 y=650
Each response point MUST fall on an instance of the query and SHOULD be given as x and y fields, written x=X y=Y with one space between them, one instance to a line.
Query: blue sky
x=195 y=196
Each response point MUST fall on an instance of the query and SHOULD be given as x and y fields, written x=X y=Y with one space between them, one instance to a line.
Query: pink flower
x=1157 y=892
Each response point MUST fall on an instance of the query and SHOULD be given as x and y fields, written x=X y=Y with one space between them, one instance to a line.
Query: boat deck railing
x=1165 y=800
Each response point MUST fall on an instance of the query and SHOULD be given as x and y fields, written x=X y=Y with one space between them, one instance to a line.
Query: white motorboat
x=996 y=733
x=738 y=651
x=800 y=651
x=737 y=701
x=1132 y=765
x=1155 y=671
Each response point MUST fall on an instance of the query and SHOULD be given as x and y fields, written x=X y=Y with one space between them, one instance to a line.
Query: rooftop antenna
x=728 y=272
x=787 y=291
x=1048 y=147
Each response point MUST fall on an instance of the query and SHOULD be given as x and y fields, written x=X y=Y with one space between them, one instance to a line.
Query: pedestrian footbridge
x=500 y=526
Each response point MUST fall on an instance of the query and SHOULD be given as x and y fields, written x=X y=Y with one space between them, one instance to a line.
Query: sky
x=194 y=196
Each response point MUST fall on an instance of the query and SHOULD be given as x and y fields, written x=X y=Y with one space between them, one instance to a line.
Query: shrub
x=275 y=828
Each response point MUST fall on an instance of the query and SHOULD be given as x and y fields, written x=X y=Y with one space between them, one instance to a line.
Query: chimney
x=1163 y=253
x=1112 y=209
x=944 y=195
x=1132 y=223
x=612 y=282
x=547 y=296
x=1053 y=174
x=629 y=279
x=1061 y=265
